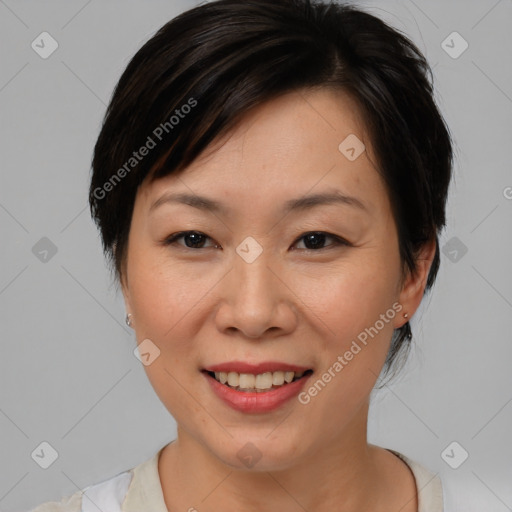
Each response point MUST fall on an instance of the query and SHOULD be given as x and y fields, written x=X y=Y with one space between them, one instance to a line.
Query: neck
x=332 y=474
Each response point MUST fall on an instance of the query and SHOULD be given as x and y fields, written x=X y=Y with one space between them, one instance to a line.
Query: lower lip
x=264 y=401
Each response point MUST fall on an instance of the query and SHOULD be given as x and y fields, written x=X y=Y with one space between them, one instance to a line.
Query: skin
x=207 y=305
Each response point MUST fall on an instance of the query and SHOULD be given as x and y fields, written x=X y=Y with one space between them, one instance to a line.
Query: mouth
x=258 y=382
x=256 y=388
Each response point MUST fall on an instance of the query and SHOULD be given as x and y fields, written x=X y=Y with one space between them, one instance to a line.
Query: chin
x=257 y=452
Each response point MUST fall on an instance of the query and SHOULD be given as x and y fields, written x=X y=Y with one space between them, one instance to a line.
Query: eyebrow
x=300 y=204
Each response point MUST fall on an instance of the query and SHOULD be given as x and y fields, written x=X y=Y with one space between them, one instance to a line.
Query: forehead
x=286 y=147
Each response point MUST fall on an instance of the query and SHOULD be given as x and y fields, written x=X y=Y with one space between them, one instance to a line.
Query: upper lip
x=255 y=369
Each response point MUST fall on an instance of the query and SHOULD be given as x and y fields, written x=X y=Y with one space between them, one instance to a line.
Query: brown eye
x=193 y=239
x=315 y=240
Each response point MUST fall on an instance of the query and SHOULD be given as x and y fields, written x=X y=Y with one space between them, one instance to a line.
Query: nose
x=256 y=301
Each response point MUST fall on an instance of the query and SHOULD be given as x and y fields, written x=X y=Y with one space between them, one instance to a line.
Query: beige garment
x=145 y=491
x=428 y=486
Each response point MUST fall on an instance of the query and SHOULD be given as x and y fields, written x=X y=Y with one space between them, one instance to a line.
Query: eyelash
x=338 y=241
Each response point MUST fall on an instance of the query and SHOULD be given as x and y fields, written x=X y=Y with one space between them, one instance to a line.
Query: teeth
x=278 y=378
x=246 y=380
x=233 y=379
x=221 y=377
x=262 y=381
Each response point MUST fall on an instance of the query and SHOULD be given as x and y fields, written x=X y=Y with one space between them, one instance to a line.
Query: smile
x=256 y=388
x=259 y=383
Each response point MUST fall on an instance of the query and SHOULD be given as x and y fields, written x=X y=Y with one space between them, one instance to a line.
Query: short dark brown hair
x=195 y=78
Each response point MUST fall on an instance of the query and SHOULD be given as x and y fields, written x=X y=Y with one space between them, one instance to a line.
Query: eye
x=313 y=240
x=316 y=239
x=193 y=239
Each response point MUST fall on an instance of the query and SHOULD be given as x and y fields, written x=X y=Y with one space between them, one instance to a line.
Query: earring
x=406 y=315
x=128 y=319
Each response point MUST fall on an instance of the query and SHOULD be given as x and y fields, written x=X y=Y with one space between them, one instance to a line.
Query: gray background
x=68 y=373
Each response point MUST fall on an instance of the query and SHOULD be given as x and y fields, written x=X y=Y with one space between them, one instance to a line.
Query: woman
x=270 y=183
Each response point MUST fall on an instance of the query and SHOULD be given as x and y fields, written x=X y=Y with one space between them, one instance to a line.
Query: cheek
x=356 y=314
x=162 y=295
x=349 y=298
x=162 y=301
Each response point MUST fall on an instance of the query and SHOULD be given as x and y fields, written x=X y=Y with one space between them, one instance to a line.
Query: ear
x=123 y=283
x=414 y=283
x=125 y=290
x=127 y=303
x=126 y=295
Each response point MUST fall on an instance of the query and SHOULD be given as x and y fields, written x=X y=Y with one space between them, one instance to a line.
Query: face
x=258 y=287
